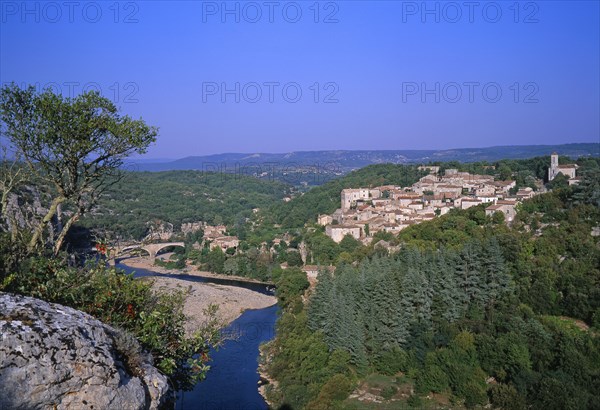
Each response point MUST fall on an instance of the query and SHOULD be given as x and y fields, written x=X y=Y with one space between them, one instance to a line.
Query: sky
x=281 y=76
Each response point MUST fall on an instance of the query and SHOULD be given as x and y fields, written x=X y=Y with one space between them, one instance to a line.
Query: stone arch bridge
x=152 y=249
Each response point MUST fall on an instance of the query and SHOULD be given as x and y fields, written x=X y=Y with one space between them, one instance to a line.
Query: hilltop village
x=363 y=212
x=366 y=211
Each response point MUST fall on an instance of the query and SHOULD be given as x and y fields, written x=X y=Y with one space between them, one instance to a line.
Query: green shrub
x=432 y=379
x=337 y=388
x=506 y=397
x=388 y=392
x=391 y=361
x=174 y=262
x=474 y=394
x=415 y=401
x=334 y=390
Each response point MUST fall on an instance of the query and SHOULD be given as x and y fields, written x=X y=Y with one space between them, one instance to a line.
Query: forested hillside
x=469 y=312
x=178 y=197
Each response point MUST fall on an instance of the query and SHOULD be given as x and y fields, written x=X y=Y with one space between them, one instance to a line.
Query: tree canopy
x=75 y=145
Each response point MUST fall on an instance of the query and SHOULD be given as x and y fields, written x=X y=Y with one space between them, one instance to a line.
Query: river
x=232 y=381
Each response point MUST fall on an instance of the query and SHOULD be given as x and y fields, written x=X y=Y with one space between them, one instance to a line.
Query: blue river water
x=232 y=381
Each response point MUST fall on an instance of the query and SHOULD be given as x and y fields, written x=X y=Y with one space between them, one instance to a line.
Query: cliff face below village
x=55 y=357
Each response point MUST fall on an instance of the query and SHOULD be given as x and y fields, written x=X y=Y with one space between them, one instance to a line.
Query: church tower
x=553 y=170
x=554 y=160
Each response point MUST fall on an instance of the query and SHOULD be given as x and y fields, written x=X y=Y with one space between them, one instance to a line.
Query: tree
x=498 y=218
x=291 y=285
x=349 y=244
x=504 y=172
x=496 y=280
x=294 y=259
x=559 y=181
x=386 y=324
x=318 y=308
x=75 y=145
x=588 y=190
x=416 y=296
x=446 y=305
x=469 y=277
x=343 y=327
x=231 y=266
x=324 y=250
x=215 y=260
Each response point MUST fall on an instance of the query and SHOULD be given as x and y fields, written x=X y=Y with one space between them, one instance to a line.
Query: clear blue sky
x=394 y=68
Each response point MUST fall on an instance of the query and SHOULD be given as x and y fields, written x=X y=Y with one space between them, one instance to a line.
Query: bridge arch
x=167 y=245
x=152 y=248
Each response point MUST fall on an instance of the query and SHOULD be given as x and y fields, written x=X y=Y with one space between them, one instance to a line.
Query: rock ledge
x=56 y=357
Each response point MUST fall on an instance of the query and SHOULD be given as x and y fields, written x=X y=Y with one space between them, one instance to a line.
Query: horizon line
x=357 y=150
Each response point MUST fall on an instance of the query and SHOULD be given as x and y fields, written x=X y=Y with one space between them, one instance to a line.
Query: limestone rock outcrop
x=56 y=357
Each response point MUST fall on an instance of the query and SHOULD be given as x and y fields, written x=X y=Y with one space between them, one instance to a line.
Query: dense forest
x=178 y=197
x=468 y=312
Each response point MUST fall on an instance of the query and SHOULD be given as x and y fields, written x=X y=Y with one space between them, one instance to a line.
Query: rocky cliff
x=55 y=357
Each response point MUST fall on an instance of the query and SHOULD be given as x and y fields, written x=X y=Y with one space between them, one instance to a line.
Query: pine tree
x=318 y=307
x=333 y=325
x=343 y=327
x=469 y=275
x=497 y=281
x=416 y=297
x=446 y=303
x=384 y=314
x=365 y=287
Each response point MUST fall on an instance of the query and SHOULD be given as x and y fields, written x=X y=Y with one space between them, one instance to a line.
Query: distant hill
x=318 y=167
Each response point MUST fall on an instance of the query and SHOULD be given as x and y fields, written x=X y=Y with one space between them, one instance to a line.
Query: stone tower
x=554 y=160
x=553 y=170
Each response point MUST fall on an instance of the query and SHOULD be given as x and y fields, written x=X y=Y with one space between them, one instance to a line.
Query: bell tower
x=553 y=170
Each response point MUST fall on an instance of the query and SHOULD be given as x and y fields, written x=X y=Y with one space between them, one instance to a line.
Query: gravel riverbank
x=232 y=300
